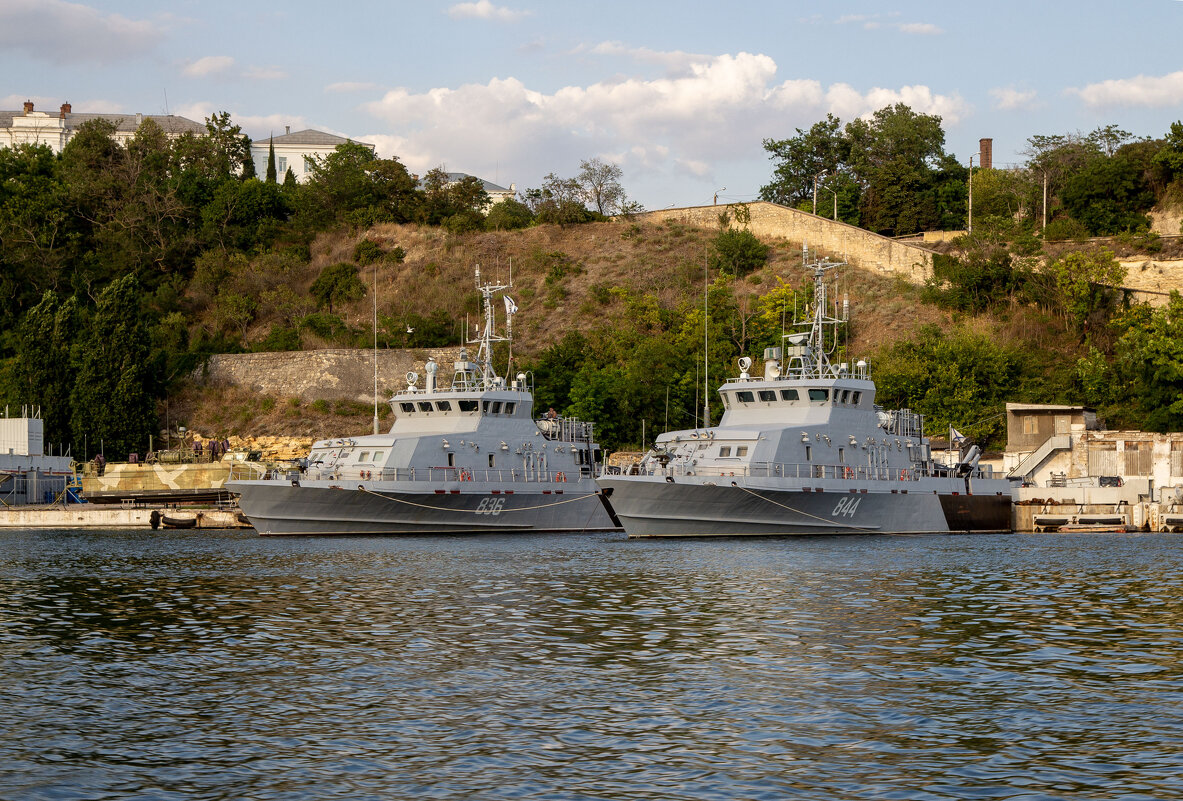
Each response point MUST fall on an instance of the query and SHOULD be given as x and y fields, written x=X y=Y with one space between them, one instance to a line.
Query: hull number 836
x=490 y=506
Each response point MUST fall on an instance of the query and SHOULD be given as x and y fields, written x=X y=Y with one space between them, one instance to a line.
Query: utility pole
x=970 y=220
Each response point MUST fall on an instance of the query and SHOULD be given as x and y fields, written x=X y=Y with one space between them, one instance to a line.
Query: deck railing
x=807 y=470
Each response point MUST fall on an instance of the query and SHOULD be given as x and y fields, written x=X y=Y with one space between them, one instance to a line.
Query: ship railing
x=442 y=475
x=809 y=470
x=565 y=429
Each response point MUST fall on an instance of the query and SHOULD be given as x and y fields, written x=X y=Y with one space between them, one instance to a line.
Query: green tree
x=558 y=201
x=1109 y=195
x=822 y=150
x=1085 y=281
x=508 y=215
x=272 y=175
x=896 y=156
x=44 y=369
x=337 y=283
x=738 y=252
x=110 y=401
x=600 y=185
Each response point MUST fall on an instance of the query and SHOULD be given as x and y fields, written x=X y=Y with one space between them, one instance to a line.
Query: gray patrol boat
x=805 y=450
x=466 y=459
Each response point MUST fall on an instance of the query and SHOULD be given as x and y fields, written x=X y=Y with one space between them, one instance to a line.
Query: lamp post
x=970 y=216
x=717 y=191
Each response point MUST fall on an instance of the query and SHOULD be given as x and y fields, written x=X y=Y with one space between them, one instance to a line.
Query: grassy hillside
x=563 y=279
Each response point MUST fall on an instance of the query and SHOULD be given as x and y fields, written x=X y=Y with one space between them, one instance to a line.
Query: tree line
x=111 y=251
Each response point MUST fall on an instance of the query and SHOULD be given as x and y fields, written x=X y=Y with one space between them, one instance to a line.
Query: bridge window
x=845 y=395
x=818 y=394
x=378 y=456
x=856 y=397
x=444 y=406
x=808 y=453
x=467 y=405
x=491 y=458
x=451 y=459
x=745 y=396
x=363 y=456
x=509 y=407
x=741 y=450
x=485 y=407
x=789 y=395
x=425 y=406
x=496 y=407
x=407 y=407
x=725 y=450
x=767 y=395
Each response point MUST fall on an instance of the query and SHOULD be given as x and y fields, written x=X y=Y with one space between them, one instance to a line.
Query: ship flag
x=955 y=436
x=510 y=306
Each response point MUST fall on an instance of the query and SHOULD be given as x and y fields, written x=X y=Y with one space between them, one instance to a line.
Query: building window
x=309 y=165
x=281 y=164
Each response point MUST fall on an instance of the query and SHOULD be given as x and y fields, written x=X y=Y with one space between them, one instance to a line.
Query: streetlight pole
x=816 y=178
x=717 y=191
x=970 y=218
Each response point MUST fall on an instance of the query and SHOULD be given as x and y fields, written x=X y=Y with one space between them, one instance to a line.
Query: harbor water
x=222 y=665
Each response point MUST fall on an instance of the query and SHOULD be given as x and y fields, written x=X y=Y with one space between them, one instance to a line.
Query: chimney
x=287 y=129
x=65 y=110
x=986 y=146
x=28 y=107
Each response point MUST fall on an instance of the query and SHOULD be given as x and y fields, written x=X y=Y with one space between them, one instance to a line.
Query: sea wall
x=325 y=374
x=860 y=248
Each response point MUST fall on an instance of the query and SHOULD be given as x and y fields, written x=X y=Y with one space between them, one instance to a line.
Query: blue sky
x=680 y=94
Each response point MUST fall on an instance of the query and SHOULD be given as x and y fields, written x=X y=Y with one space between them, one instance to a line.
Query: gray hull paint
x=653 y=507
x=276 y=508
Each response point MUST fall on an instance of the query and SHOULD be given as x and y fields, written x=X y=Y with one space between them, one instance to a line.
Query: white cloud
x=674 y=60
x=257 y=126
x=57 y=31
x=1143 y=90
x=716 y=110
x=264 y=73
x=483 y=9
x=919 y=28
x=343 y=87
x=209 y=65
x=1010 y=99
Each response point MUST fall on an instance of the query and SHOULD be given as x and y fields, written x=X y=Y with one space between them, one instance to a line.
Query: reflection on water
x=224 y=666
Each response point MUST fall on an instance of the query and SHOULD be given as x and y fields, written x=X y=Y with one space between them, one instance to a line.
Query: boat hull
x=650 y=506
x=278 y=508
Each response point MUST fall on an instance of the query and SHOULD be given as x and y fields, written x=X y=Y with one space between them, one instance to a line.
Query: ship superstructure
x=804 y=449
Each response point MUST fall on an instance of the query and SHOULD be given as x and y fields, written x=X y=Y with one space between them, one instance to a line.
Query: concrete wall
x=860 y=248
x=326 y=374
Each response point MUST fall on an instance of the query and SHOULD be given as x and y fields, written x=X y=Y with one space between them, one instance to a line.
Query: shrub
x=1064 y=228
x=367 y=251
x=738 y=252
x=337 y=282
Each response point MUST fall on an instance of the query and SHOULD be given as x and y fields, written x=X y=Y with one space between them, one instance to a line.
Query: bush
x=508 y=215
x=337 y=282
x=367 y=251
x=280 y=338
x=738 y=252
x=1062 y=229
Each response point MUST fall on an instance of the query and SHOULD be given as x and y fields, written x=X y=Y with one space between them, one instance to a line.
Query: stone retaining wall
x=860 y=248
x=326 y=374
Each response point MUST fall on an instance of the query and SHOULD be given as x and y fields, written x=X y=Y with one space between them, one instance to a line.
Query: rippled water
x=205 y=665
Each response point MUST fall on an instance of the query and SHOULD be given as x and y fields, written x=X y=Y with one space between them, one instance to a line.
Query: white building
x=55 y=130
x=296 y=151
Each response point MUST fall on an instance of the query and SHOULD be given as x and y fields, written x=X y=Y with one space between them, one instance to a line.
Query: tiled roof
x=309 y=137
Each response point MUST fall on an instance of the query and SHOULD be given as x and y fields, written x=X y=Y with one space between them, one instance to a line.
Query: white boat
x=804 y=449
x=469 y=458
